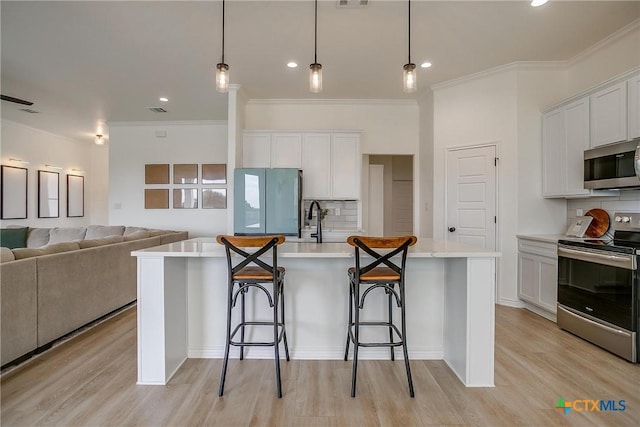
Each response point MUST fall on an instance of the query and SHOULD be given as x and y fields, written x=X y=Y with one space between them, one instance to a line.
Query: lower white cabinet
x=538 y=273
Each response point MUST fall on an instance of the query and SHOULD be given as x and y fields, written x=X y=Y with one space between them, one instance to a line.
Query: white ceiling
x=86 y=63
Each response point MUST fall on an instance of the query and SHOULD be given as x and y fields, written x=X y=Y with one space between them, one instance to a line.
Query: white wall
x=388 y=127
x=131 y=146
x=40 y=148
x=475 y=112
x=425 y=160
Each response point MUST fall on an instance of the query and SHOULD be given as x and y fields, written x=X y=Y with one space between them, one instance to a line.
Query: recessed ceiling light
x=536 y=3
x=425 y=64
x=164 y=99
x=292 y=64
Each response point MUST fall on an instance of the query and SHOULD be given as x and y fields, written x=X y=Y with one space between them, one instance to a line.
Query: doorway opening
x=390 y=195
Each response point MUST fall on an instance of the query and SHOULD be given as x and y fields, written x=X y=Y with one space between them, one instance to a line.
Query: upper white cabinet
x=633 y=92
x=609 y=115
x=565 y=136
x=345 y=166
x=286 y=150
x=330 y=161
x=316 y=166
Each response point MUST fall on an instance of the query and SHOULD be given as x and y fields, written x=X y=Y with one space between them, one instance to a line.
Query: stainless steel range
x=598 y=288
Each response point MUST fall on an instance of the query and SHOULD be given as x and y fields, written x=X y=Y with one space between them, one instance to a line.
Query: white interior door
x=471 y=196
x=376 y=200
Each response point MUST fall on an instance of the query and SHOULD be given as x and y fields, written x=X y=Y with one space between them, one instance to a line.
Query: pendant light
x=410 y=84
x=315 y=74
x=222 y=69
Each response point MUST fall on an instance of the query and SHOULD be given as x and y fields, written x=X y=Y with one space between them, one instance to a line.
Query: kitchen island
x=450 y=306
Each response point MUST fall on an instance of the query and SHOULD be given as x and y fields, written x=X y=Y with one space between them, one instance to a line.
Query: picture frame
x=214 y=198
x=215 y=174
x=578 y=226
x=48 y=194
x=185 y=173
x=185 y=198
x=14 y=192
x=156 y=173
x=75 y=196
x=156 y=198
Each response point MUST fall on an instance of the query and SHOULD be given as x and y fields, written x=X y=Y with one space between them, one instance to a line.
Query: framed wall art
x=156 y=174
x=185 y=198
x=13 y=185
x=214 y=198
x=48 y=194
x=185 y=173
x=75 y=196
x=156 y=198
x=214 y=174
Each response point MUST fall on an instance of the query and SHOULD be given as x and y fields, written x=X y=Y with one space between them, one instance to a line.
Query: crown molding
x=169 y=123
x=520 y=66
x=410 y=102
x=635 y=25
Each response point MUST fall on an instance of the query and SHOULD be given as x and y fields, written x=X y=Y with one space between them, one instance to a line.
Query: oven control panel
x=627 y=221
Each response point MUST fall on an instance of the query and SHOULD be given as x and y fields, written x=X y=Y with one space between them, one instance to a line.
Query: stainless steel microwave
x=614 y=166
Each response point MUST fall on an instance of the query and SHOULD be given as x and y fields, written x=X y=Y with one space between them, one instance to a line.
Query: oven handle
x=619 y=261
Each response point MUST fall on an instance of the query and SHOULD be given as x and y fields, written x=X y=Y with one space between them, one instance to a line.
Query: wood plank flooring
x=90 y=381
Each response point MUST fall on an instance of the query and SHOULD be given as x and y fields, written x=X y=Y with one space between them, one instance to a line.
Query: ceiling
x=87 y=63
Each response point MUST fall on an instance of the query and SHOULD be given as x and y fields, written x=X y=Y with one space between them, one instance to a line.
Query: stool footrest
x=254 y=343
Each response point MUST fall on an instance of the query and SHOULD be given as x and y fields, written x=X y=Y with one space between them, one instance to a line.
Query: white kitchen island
x=450 y=306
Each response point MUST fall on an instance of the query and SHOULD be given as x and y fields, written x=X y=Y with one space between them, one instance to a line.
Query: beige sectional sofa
x=54 y=287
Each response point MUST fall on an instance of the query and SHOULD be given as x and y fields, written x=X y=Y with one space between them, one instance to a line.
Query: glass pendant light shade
x=410 y=82
x=222 y=78
x=315 y=78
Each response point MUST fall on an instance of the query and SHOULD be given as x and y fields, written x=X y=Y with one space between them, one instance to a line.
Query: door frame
x=498 y=228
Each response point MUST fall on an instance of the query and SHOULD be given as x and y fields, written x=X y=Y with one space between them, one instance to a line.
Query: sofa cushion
x=100 y=231
x=20 y=253
x=6 y=254
x=37 y=237
x=140 y=234
x=131 y=230
x=60 y=247
x=156 y=232
x=13 y=237
x=66 y=234
x=92 y=243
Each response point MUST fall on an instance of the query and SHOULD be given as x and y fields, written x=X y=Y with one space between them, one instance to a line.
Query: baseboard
x=317 y=353
x=515 y=303
x=541 y=312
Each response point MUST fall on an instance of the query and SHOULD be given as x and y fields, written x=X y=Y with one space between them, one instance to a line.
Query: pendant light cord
x=315 y=36
x=223 y=31
x=409 y=53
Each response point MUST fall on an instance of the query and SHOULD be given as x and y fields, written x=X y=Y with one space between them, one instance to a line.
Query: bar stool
x=247 y=276
x=373 y=276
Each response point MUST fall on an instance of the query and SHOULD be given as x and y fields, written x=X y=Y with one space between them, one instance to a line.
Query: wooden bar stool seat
x=247 y=271
x=382 y=272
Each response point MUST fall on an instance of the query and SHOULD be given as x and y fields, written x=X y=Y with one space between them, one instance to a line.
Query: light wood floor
x=90 y=381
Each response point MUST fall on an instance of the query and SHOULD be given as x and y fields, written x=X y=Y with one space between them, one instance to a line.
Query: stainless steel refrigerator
x=267 y=201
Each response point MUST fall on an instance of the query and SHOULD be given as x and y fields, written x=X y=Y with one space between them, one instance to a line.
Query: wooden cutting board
x=600 y=224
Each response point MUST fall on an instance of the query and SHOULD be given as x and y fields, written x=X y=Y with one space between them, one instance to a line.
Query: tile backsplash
x=628 y=201
x=347 y=220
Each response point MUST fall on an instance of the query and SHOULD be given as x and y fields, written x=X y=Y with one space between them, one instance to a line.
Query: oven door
x=600 y=284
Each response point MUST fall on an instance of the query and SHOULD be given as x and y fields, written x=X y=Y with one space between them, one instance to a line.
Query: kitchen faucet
x=318 y=233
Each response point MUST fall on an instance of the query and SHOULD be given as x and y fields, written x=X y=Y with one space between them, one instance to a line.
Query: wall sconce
x=77 y=170
x=99 y=140
x=24 y=162
x=53 y=167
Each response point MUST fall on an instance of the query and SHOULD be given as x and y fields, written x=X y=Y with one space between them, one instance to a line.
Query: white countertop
x=208 y=247
x=553 y=238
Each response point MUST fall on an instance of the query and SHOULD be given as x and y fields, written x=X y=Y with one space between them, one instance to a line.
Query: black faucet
x=318 y=233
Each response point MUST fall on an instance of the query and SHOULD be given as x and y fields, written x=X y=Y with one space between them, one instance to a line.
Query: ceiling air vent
x=348 y=4
x=157 y=109
x=30 y=111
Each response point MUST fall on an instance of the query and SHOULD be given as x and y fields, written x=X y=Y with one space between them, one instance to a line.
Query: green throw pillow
x=13 y=237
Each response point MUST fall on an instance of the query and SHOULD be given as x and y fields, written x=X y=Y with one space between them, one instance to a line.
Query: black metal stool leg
x=275 y=339
x=284 y=329
x=350 y=322
x=404 y=341
x=242 y=310
x=392 y=349
x=356 y=341
x=228 y=342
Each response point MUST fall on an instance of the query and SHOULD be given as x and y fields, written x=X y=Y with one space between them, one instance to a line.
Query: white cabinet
x=609 y=115
x=538 y=273
x=633 y=121
x=271 y=150
x=256 y=150
x=316 y=166
x=565 y=136
x=286 y=150
x=345 y=166
x=330 y=161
